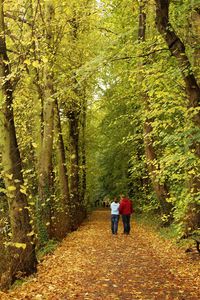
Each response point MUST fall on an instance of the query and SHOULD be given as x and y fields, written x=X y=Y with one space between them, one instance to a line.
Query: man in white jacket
x=114 y=215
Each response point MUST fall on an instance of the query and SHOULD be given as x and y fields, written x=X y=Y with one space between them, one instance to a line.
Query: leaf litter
x=92 y=264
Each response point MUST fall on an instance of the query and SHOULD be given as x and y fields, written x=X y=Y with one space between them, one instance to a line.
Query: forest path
x=92 y=264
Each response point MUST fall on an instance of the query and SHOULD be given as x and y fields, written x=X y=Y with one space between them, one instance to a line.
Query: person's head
x=115 y=199
x=122 y=195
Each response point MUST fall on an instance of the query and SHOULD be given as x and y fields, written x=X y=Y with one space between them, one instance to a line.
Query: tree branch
x=19 y=18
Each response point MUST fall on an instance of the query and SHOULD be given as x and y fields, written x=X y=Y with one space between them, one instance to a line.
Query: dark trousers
x=126 y=223
x=114 y=223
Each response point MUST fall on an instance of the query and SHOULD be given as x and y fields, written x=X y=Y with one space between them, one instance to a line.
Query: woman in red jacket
x=126 y=209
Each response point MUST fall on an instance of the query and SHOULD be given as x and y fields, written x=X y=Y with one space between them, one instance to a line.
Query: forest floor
x=93 y=264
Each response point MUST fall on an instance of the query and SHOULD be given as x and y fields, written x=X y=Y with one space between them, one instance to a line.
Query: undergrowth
x=49 y=248
x=170 y=232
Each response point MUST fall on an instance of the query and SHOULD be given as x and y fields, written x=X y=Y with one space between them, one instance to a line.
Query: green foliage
x=49 y=248
x=153 y=220
x=18 y=283
x=91 y=55
x=121 y=159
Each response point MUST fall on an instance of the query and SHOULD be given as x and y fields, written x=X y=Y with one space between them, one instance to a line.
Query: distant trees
x=153 y=85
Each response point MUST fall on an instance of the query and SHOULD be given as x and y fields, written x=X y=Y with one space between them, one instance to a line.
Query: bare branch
x=107 y=30
x=19 y=18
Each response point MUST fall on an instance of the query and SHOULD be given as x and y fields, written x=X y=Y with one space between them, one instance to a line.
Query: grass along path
x=92 y=264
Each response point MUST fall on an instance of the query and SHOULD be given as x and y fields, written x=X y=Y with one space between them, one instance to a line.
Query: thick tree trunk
x=34 y=73
x=160 y=190
x=62 y=223
x=45 y=168
x=45 y=172
x=82 y=168
x=77 y=155
x=23 y=259
x=193 y=37
x=142 y=21
x=177 y=49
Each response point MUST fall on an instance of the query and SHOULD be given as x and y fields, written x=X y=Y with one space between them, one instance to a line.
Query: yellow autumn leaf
x=17 y=245
x=17 y=180
x=9 y=176
x=34 y=145
x=36 y=63
x=20 y=245
x=11 y=188
x=27 y=207
x=23 y=191
x=2 y=190
x=27 y=62
x=44 y=59
x=30 y=233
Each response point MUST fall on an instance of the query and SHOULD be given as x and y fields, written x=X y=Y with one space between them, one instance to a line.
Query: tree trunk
x=35 y=74
x=45 y=171
x=63 y=219
x=177 y=49
x=83 y=152
x=74 y=167
x=160 y=190
x=193 y=37
x=23 y=259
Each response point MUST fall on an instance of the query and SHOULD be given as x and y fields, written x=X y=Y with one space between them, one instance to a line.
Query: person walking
x=114 y=206
x=126 y=209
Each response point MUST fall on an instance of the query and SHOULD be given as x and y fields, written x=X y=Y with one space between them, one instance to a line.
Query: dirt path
x=92 y=264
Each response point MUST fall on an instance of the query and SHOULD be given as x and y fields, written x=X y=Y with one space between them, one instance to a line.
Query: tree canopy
x=97 y=98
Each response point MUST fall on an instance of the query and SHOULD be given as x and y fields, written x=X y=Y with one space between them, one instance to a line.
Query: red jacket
x=125 y=207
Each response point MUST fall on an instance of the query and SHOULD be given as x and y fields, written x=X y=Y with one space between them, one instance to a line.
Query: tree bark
x=22 y=259
x=73 y=117
x=63 y=219
x=82 y=163
x=83 y=150
x=45 y=172
x=177 y=49
x=160 y=190
x=193 y=37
